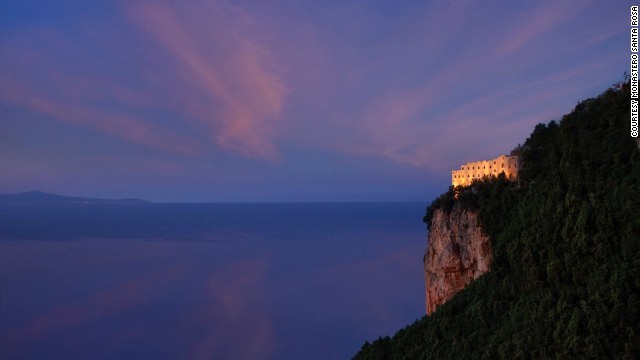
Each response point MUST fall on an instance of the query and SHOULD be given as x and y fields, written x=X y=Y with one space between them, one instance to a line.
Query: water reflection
x=276 y=294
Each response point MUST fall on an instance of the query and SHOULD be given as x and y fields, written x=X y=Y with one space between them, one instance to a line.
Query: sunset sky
x=286 y=100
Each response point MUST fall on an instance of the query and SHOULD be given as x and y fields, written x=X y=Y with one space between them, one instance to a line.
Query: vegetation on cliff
x=565 y=279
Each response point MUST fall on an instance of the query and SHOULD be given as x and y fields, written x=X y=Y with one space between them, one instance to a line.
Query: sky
x=286 y=100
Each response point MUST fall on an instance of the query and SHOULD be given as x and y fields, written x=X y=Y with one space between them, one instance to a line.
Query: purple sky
x=286 y=100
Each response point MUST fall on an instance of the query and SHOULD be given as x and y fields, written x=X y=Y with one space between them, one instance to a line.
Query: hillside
x=42 y=197
x=565 y=277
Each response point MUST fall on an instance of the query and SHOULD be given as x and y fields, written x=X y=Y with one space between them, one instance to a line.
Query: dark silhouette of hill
x=42 y=197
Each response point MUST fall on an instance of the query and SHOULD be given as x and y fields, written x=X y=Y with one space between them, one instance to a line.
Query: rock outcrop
x=457 y=253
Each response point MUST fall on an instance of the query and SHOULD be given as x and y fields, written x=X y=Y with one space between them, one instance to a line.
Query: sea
x=207 y=281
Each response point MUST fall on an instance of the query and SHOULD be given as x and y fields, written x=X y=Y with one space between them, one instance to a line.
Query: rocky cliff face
x=457 y=253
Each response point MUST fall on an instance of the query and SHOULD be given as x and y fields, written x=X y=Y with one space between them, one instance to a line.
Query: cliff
x=457 y=253
x=565 y=264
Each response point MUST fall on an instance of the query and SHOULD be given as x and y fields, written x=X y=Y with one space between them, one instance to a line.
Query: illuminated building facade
x=478 y=169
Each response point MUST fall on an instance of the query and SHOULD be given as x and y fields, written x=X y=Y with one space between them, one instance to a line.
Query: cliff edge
x=457 y=253
x=565 y=251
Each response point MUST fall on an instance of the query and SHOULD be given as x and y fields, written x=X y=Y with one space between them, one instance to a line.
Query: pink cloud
x=227 y=66
x=33 y=81
x=543 y=18
x=410 y=101
x=122 y=125
x=210 y=73
x=428 y=126
x=238 y=78
x=393 y=126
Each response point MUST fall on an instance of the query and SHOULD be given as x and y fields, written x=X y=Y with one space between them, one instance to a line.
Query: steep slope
x=457 y=253
x=565 y=275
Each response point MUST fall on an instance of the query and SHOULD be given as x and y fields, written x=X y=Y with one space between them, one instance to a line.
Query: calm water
x=207 y=281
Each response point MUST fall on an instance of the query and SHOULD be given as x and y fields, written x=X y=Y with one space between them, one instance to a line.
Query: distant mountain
x=42 y=197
